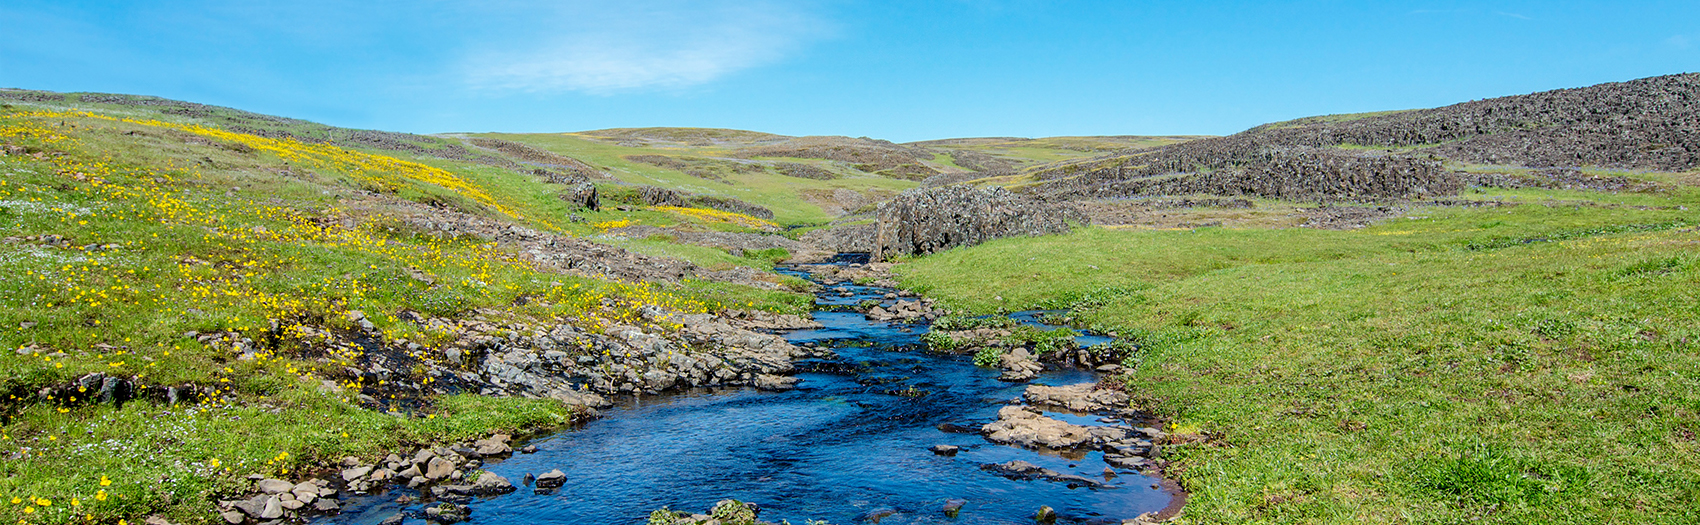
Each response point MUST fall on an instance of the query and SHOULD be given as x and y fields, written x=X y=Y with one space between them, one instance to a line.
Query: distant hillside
x=806 y=179
x=1651 y=123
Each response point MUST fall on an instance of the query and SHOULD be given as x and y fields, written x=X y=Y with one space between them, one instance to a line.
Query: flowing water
x=851 y=439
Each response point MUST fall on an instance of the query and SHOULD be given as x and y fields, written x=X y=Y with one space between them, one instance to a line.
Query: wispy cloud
x=1513 y=15
x=652 y=45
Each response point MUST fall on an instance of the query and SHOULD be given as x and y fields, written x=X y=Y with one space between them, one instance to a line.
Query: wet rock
x=489 y=484
x=1127 y=462
x=1018 y=425
x=775 y=382
x=954 y=507
x=1083 y=397
x=529 y=449
x=944 y=450
x=444 y=513
x=551 y=479
x=953 y=428
x=1023 y=470
x=874 y=516
x=1045 y=515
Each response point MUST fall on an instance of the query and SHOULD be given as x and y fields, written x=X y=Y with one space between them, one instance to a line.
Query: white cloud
x=656 y=45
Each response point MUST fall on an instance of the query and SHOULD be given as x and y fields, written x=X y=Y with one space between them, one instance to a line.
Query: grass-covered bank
x=1529 y=364
x=129 y=244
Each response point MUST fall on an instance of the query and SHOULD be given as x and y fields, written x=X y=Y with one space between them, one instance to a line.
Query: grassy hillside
x=794 y=200
x=236 y=268
x=840 y=175
x=1531 y=360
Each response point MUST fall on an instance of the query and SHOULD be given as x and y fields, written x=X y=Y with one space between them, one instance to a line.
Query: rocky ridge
x=1650 y=123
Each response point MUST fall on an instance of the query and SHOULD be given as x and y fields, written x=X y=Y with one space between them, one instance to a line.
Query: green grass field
x=1529 y=364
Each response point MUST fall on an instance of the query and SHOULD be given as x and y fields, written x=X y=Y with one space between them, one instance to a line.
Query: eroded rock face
x=928 y=220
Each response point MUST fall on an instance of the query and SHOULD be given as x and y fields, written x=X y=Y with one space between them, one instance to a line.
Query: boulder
x=438 y=468
x=551 y=479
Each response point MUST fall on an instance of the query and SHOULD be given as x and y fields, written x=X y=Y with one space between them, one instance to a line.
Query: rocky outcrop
x=923 y=221
x=1650 y=123
x=654 y=196
x=580 y=367
x=843 y=238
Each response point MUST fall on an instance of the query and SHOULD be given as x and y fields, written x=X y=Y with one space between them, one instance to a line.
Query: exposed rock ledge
x=928 y=220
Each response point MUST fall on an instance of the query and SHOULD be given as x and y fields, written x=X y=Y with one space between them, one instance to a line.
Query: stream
x=851 y=440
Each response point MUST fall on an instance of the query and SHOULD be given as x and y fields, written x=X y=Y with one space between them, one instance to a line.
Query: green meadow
x=1534 y=362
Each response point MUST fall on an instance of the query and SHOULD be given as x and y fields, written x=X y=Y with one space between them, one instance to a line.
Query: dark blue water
x=841 y=445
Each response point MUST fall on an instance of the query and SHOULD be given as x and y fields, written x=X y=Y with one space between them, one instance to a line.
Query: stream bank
x=874 y=427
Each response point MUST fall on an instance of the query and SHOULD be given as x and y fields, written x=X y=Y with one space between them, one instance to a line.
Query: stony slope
x=1646 y=124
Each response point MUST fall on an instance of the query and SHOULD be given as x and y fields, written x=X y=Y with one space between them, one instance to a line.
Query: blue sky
x=900 y=70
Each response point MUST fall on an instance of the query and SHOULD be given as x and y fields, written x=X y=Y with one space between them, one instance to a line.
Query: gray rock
x=1018 y=469
x=326 y=505
x=438 y=468
x=233 y=517
x=551 y=479
x=274 y=486
x=356 y=473
x=944 y=450
x=273 y=509
x=1018 y=425
x=489 y=484
x=1083 y=397
x=490 y=447
x=251 y=506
